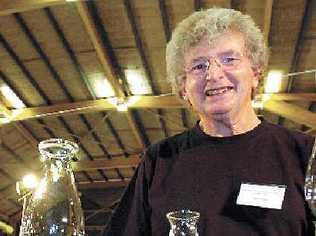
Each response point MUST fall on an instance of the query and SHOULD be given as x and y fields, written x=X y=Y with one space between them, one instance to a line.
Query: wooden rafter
x=106 y=164
x=267 y=19
x=140 y=102
x=101 y=163
x=14 y=6
x=300 y=42
x=103 y=184
x=100 y=51
x=26 y=134
x=291 y=112
x=106 y=64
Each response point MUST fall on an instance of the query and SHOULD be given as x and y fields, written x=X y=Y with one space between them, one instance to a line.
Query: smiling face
x=219 y=76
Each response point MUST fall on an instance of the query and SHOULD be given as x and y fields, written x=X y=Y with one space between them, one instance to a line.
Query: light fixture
x=122 y=105
x=273 y=82
x=26 y=185
x=12 y=98
x=137 y=82
x=30 y=181
x=101 y=86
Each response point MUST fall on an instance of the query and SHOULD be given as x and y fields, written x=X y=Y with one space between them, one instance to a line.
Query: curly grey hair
x=211 y=24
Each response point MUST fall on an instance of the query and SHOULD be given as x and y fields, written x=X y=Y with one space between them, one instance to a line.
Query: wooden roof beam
x=106 y=64
x=8 y=7
x=25 y=133
x=267 y=19
x=103 y=56
x=103 y=184
x=291 y=112
x=140 y=102
x=121 y=162
x=100 y=163
x=300 y=42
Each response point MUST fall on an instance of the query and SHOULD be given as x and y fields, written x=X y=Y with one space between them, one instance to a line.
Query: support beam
x=103 y=56
x=292 y=97
x=300 y=42
x=291 y=112
x=106 y=163
x=25 y=133
x=139 y=102
x=14 y=6
x=100 y=163
x=135 y=129
x=267 y=19
x=106 y=61
x=103 y=184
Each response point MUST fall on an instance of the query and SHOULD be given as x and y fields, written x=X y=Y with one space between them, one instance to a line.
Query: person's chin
x=218 y=113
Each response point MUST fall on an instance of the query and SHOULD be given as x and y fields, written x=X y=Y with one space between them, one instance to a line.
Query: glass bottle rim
x=46 y=147
x=178 y=215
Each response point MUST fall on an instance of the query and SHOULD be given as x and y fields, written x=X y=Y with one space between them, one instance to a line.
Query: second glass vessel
x=54 y=208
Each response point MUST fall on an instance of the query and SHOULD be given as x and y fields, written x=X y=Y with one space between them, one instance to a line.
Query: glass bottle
x=54 y=206
x=310 y=185
x=183 y=223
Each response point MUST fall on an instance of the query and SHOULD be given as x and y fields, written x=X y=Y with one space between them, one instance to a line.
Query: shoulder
x=297 y=141
x=170 y=146
x=289 y=135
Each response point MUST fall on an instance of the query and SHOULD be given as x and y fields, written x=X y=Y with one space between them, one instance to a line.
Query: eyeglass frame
x=228 y=60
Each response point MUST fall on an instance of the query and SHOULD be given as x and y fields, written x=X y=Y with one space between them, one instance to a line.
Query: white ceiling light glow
x=30 y=181
x=137 y=82
x=101 y=86
x=12 y=98
x=273 y=82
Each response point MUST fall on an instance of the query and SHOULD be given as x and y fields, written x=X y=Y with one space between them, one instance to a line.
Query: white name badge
x=265 y=196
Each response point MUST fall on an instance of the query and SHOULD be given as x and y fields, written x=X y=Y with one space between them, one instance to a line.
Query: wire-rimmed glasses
x=201 y=65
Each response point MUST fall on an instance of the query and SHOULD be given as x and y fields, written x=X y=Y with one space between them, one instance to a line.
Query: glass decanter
x=183 y=223
x=54 y=207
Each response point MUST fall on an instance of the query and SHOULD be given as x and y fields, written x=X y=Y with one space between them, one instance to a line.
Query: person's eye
x=199 y=67
x=229 y=60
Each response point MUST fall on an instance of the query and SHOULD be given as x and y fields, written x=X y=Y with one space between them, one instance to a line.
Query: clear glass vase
x=183 y=223
x=310 y=185
x=54 y=207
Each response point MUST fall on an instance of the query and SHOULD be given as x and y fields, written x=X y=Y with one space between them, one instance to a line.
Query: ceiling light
x=122 y=105
x=9 y=95
x=30 y=181
x=101 y=86
x=273 y=82
x=137 y=82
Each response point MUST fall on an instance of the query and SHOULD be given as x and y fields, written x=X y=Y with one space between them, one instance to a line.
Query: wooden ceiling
x=51 y=50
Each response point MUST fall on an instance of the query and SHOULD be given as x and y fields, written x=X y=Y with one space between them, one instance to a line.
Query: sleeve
x=132 y=215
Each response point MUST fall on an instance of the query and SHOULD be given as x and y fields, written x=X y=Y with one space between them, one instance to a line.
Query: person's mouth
x=218 y=91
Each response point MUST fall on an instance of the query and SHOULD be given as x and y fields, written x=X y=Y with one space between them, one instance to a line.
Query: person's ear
x=182 y=92
x=257 y=72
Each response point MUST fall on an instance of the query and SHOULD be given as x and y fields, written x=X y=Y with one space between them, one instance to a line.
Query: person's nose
x=214 y=70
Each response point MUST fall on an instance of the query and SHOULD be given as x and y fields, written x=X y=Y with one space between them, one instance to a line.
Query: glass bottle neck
x=55 y=168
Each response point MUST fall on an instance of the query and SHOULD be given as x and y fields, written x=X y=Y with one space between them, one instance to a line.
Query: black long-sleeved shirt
x=195 y=171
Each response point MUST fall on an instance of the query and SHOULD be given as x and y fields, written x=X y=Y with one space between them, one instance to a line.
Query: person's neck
x=225 y=125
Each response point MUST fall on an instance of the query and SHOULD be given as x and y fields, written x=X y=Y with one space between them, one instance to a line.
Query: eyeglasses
x=200 y=66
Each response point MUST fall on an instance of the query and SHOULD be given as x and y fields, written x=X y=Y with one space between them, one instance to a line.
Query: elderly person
x=243 y=175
